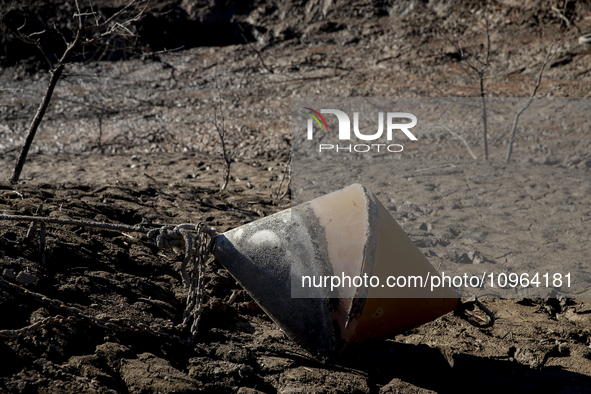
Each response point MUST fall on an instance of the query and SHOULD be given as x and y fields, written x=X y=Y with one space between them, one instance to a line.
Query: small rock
x=25 y=278
x=476 y=257
x=9 y=273
x=527 y=357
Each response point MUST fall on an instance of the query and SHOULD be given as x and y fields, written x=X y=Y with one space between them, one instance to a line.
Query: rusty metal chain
x=196 y=254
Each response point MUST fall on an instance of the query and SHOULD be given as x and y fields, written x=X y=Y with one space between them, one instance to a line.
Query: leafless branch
x=461 y=139
x=552 y=50
x=561 y=15
x=255 y=51
x=219 y=124
x=479 y=67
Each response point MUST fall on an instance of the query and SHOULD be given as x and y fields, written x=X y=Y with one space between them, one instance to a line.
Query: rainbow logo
x=315 y=115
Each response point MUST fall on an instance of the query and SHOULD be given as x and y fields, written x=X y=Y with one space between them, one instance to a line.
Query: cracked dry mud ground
x=535 y=343
x=157 y=159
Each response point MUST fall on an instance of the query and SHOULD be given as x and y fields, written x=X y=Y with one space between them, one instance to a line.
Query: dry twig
x=285 y=176
x=221 y=130
x=552 y=50
x=220 y=126
x=461 y=139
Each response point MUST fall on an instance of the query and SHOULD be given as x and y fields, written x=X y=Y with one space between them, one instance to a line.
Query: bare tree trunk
x=55 y=77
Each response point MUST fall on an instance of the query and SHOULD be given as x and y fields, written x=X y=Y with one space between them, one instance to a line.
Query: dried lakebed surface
x=132 y=141
x=536 y=343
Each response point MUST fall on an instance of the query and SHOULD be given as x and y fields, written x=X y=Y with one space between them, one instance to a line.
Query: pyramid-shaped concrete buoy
x=290 y=263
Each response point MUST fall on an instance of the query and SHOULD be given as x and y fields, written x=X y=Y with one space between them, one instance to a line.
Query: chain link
x=196 y=254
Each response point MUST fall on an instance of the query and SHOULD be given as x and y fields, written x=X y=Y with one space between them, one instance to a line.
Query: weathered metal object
x=282 y=258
